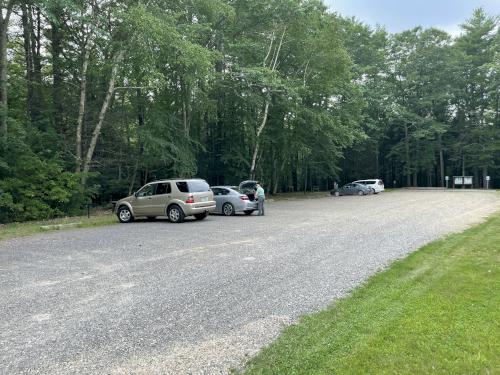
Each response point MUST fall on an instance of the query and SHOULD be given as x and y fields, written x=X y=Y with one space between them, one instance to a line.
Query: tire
x=248 y=212
x=124 y=215
x=337 y=194
x=360 y=193
x=228 y=209
x=201 y=216
x=175 y=214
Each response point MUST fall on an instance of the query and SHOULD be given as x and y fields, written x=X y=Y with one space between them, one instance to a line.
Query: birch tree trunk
x=81 y=108
x=274 y=62
x=105 y=104
x=256 y=149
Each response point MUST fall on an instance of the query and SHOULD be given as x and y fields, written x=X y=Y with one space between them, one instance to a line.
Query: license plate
x=204 y=199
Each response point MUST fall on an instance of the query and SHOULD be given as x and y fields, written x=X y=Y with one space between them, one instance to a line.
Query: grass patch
x=436 y=311
x=298 y=195
x=32 y=227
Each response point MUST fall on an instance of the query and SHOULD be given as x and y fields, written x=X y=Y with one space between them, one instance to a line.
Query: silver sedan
x=230 y=201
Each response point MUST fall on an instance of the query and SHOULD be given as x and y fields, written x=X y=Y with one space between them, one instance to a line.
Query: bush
x=34 y=188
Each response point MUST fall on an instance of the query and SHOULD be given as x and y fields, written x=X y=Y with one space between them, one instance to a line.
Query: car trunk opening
x=248 y=188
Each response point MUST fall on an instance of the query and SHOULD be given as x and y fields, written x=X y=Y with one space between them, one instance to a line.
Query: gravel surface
x=201 y=297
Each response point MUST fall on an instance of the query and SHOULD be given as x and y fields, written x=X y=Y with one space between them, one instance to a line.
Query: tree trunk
x=140 y=124
x=81 y=107
x=463 y=163
x=274 y=63
x=4 y=23
x=97 y=130
x=485 y=173
x=57 y=85
x=256 y=149
x=35 y=36
x=441 y=162
x=407 y=154
x=28 y=57
x=305 y=175
x=132 y=180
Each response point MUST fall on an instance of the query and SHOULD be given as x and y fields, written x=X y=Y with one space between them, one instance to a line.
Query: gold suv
x=175 y=199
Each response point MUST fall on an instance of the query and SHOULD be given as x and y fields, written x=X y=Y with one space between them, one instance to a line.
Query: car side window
x=224 y=192
x=146 y=191
x=163 y=188
x=182 y=186
x=216 y=191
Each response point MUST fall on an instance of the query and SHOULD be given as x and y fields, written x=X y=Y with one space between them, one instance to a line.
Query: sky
x=401 y=15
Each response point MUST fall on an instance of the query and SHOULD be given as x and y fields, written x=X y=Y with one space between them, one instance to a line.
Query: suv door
x=161 y=198
x=143 y=201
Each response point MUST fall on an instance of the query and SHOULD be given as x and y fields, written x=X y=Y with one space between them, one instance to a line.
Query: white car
x=375 y=184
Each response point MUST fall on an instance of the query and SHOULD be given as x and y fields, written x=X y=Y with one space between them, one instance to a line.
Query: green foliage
x=34 y=188
x=344 y=101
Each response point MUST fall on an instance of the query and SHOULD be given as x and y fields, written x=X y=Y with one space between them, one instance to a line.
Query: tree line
x=98 y=97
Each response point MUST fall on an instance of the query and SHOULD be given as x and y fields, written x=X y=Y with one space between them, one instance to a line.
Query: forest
x=98 y=97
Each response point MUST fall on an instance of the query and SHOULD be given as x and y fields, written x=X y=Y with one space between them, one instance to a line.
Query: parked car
x=175 y=199
x=352 y=189
x=229 y=201
x=375 y=184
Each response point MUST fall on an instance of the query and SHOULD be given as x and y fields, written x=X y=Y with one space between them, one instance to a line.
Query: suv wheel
x=175 y=214
x=361 y=192
x=201 y=216
x=124 y=215
x=228 y=209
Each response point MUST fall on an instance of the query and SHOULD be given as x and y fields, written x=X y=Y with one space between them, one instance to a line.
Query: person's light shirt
x=260 y=192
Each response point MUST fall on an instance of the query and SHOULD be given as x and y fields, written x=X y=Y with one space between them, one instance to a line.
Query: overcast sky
x=404 y=14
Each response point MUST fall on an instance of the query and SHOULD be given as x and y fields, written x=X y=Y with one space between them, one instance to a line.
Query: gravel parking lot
x=200 y=297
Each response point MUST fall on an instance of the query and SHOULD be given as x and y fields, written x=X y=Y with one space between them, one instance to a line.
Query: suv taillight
x=244 y=197
x=190 y=199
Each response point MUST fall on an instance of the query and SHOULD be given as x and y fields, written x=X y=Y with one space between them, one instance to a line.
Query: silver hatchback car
x=175 y=199
x=229 y=201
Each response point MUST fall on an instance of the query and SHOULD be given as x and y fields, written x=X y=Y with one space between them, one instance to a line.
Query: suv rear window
x=193 y=186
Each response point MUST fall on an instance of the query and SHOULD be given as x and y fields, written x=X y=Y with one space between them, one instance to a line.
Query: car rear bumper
x=247 y=206
x=199 y=208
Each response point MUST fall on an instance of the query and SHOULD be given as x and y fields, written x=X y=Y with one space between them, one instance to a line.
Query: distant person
x=261 y=197
x=335 y=185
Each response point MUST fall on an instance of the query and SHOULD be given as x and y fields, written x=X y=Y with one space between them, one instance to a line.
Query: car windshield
x=193 y=186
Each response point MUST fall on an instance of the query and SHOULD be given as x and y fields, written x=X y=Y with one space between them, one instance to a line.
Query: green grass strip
x=14 y=230
x=436 y=311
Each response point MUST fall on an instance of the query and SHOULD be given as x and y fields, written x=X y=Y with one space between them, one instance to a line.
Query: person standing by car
x=261 y=197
